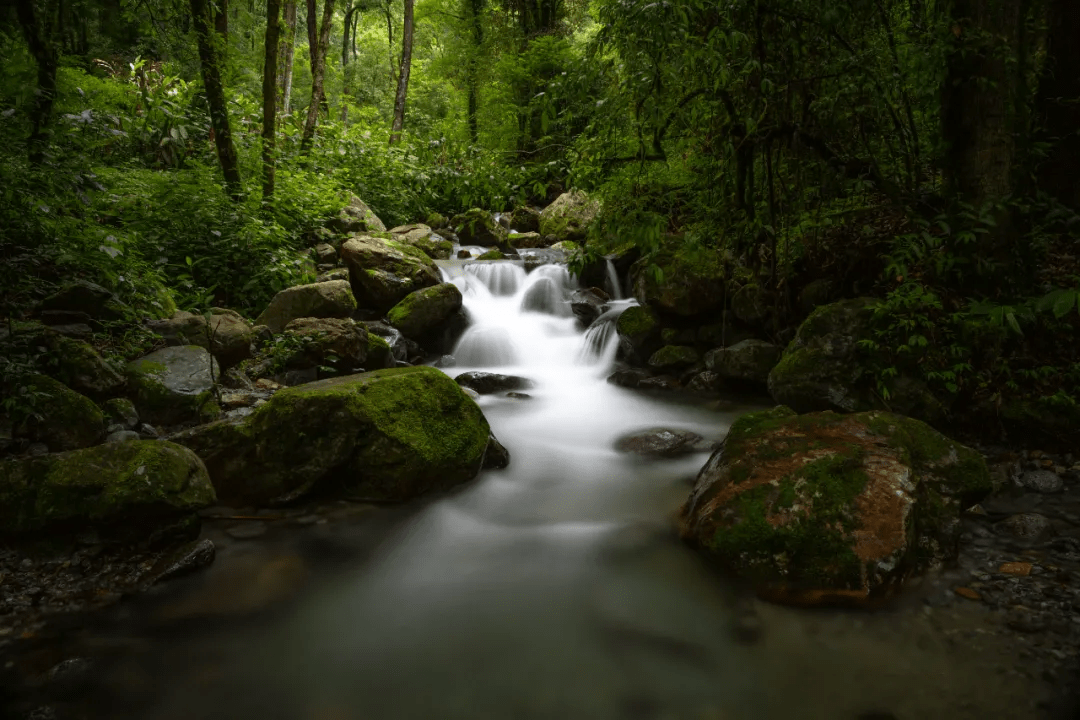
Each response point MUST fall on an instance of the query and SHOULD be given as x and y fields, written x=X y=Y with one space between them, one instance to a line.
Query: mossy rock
x=121 y=411
x=388 y=435
x=478 y=227
x=493 y=254
x=687 y=287
x=340 y=343
x=424 y=239
x=753 y=305
x=174 y=385
x=437 y=221
x=356 y=217
x=525 y=220
x=379 y=353
x=526 y=240
x=749 y=361
x=639 y=328
x=138 y=483
x=74 y=363
x=383 y=272
x=569 y=217
x=674 y=357
x=821 y=368
x=333 y=299
x=65 y=419
x=424 y=312
x=827 y=508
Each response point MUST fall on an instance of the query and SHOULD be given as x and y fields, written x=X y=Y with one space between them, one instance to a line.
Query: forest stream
x=554 y=588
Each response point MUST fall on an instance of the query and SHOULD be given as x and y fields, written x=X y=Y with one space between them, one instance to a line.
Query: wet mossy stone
x=424 y=312
x=821 y=368
x=494 y=254
x=423 y=238
x=379 y=353
x=437 y=221
x=673 y=357
x=525 y=219
x=828 y=508
x=80 y=296
x=383 y=272
x=332 y=342
x=640 y=328
x=478 y=227
x=174 y=385
x=65 y=420
x=749 y=361
x=751 y=304
x=137 y=483
x=333 y=299
x=388 y=435
x=526 y=240
x=78 y=365
x=688 y=287
x=121 y=411
x=569 y=217
x=356 y=217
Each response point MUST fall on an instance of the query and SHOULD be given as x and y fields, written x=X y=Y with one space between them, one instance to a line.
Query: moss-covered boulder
x=493 y=254
x=383 y=272
x=63 y=419
x=828 y=508
x=437 y=221
x=748 y=361
x=130 y=483
x=820 y=369
x=424 y=312
x=81 y=296
x=478 y=227
x=390 y=435
x=79 y=366
x=340 y=343
x=174 y=385
x=525 y=219
x=527 y=240
x=333 y=299
x=121 y=411
x=752 y=304
x=639 y=331
x=671 y=358
x=225 y=333
x=569 y=217
x=356 y=217
x=424 y=239
x=379 y=353
x=685 y=287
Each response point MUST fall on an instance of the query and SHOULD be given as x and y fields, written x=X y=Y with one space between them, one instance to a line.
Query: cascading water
x=553 y=589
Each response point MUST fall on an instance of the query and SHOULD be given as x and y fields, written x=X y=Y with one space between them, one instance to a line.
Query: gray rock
x=487 y=383
x=79 y=296
x=706 y=381
x=121 y=411
x=174 y=384
x=662 y=442
x=325 y=253
x=186 y=559
x=149 y=431
x=37 y=449
x=588 y=304
x=1032 y=527
x=748 y=361
x=122 y=436
x=333 y=299
x=356 y=217
x=628 y=377
x=1042 y=481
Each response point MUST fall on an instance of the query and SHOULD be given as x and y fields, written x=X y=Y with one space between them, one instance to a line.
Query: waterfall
x=611 y=282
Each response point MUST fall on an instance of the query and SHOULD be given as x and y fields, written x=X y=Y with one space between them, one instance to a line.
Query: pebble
x=1026 y=526
x=1016 y=568
x=966 y=592
x=1042 y=481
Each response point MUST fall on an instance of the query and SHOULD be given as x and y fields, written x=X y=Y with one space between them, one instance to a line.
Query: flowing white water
x=554 y=588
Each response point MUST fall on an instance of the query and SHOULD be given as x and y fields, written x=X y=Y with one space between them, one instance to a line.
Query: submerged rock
x=389 y=435
x=384 y=272
x=332 y=299
x=663 y=442
x=174 y=385
x=487 y=383
x=136 y=482
x=826 y=508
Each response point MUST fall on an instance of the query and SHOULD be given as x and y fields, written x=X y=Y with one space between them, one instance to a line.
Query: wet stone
x=122 y=436
x=186 y=559
x=1026 y=621
x=1026 y=526
x=487 y=383
x=519 y=395
x=663 y=442
x=1042 y=481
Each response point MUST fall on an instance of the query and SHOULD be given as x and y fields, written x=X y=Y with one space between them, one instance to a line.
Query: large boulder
x=226 y=334
x=825 y=508
x=752 y=304
x=684 y=286
x=424 y=239
x=569 y=217
x=79 y=366
x=81 y=296
x=748 y=361
x=528 y=240
x=389 y=435
x=333 y=299
x=672 y=358
x=356 y=217
x=383 y=272
x=478 y=227
x=424 y=313
x=340 y=343
x=137 y=482
x=820 y=369
x=63 y=419
x=639 y=331
x=525 y=219
x=174 y=385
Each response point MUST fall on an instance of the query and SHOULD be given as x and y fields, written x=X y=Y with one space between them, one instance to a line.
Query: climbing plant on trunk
x=210 y=59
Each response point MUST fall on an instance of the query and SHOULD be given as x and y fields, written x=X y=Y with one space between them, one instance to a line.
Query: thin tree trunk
x=403 y=74
x=346 y=54
x=215 y=96
x=476 y=9
x=285 y=56
x=390 y=40
x=320 y=50
x=221 y=19
x=38 y=34
x=270 y=67
x=1059 y=103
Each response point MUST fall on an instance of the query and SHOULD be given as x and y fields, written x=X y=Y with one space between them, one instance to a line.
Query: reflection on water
x=554 y=588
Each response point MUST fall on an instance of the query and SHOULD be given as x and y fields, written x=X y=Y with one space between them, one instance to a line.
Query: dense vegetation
x=924 y=152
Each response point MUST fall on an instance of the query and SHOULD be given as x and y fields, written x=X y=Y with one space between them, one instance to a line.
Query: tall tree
x=1059 y=103
x=403 y=74
x=285 y=56
x=270 y=67
x=210 y=60
x=38 y=29
x=351 y=12
x=318 y=67
x=474 y=11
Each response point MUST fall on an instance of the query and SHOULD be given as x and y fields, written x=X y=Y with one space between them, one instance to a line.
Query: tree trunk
x=390 y=40
x=319 y=66
x=221 y=19
x=978 y=100
x=38 y=34
x=475 y=11
x=1059 y=103
x=285 y=56
x=403 y=74
x=215 y=96
x=350 y=11
x=270 y=67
